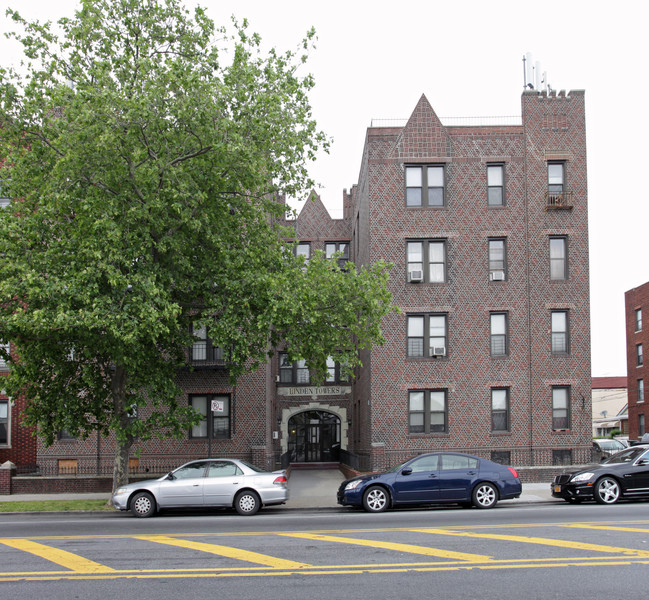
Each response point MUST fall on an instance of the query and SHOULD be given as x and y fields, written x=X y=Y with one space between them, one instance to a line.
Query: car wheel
x=375 y=499
x=247 y=503
x=607 y=491
x=143 y=505
x=485 y=495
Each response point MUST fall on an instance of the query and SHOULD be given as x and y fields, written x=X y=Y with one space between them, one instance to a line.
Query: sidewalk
x=308 y=489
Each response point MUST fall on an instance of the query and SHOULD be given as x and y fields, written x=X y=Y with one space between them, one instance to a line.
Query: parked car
x=605 y=447
x=623 y=475
x=205 y=483
x=439 y=477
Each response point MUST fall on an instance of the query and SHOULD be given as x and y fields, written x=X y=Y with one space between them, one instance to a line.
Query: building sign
x=327 y=390
x=218 y=406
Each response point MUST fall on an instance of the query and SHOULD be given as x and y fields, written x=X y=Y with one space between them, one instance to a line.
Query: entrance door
x=314 y=436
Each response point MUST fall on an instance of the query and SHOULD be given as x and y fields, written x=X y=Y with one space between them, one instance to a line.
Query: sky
x=374 y=60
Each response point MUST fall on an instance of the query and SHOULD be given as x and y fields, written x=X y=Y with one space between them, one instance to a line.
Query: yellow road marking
x=254 y=557
x=605 y=527
x=394 y=546
x=76 y=563
x=340 y=570
x=537 y=540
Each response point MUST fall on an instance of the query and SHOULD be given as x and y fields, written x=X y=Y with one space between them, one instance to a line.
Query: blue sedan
x=440 y=477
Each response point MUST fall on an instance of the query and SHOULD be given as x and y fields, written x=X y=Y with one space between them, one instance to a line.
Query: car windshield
x=610 y=445
x=395 y=468
x=627 y=455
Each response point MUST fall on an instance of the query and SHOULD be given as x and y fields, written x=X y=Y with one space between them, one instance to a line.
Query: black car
x=440 y=477
x=623 y=475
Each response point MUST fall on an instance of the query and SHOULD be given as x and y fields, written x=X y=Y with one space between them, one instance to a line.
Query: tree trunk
x=125 y=440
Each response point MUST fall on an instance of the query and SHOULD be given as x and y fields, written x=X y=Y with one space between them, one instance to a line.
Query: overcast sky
x=375 y=59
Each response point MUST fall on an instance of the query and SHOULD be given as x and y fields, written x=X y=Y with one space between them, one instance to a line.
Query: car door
x=418 y=481
x=184 y=487
x=222 y=481
x=636 y=478
x=457 y=475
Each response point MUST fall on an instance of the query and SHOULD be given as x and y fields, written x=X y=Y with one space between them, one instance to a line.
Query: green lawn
x=54 y=505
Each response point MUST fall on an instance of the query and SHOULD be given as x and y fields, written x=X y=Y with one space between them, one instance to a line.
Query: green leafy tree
x=144 y=163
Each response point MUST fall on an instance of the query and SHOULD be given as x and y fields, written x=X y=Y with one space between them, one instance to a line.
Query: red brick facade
x=637 y=342
x=371 y=423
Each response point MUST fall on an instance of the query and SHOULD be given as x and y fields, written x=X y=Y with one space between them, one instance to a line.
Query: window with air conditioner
x=426 y=261
x=497 y=248
x=427 y=336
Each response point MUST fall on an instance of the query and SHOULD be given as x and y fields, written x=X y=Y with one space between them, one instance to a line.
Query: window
x=427 y=336
x=334 y=372
x=425 y=186
x=641 y=429
x=223 y=468
x=202 y=349
x=638 y=319
x=293 y=372
x=560 y=338
x=427 y=411
x=499 y=409
x=502 y=457
x=498 y=334
x=640 y=390
x=454 y=462
x=4 y=422
x=495 y=185
x=562 y=457
x=4 y=348
x=215 y=413
x=556 y=178
x=341 y=247
x=432 y=255
x=638 y=355
x=497 y=259
x=560 y=407
x=303 y=249
x=558 y=258
x=4 y=199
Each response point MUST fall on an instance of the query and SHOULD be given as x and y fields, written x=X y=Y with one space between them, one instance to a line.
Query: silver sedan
x=203 y=483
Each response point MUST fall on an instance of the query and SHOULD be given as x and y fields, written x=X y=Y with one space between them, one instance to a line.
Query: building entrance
x=314 y=436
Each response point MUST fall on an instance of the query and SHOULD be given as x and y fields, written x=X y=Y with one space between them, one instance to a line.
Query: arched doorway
x=314 y=436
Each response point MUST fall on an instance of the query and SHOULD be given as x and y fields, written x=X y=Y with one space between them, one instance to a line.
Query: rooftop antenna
x=533 y=77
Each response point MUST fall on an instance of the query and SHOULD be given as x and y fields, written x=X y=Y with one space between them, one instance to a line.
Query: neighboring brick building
x=637 y=338
x=487 y=229
x=17 y=442
x=610 y=406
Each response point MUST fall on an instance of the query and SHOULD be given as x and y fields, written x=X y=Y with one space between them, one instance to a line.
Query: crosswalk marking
x=71 y=561
x=254 y=557
x=537 y=540
x=393 y=546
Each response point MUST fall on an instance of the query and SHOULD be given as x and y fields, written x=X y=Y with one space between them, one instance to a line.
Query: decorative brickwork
x=637 y=334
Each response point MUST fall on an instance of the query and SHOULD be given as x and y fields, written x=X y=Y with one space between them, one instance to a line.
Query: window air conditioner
x=415 y=276
x=497 y=276
x=438 y=351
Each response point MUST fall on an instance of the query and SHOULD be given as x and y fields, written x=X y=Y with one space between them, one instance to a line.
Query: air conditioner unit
x=438 y=351
x=497 y=276
x=415 y=276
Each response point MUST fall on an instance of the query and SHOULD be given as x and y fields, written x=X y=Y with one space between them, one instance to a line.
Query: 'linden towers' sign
x=329 y=390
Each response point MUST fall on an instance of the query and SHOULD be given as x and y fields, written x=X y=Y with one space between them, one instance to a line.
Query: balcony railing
x=558 y=200
x=205 y=355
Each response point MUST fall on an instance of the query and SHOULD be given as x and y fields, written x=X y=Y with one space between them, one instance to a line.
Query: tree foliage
x=145 y=151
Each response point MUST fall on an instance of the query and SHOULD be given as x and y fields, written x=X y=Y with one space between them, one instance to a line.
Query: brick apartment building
x=486 y=226
x=637 y=338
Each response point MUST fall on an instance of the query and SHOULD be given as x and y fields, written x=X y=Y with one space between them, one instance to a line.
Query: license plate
x=557 y=489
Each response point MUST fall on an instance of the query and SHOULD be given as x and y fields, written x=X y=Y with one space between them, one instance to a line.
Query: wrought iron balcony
x=558 y=200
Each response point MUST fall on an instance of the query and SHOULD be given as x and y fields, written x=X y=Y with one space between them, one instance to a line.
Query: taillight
x=513 y=471
x=281 y=480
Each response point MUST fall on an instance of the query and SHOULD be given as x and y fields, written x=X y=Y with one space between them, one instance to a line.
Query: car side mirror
x=170 y=476
x=406 y=471
x=643 y=463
